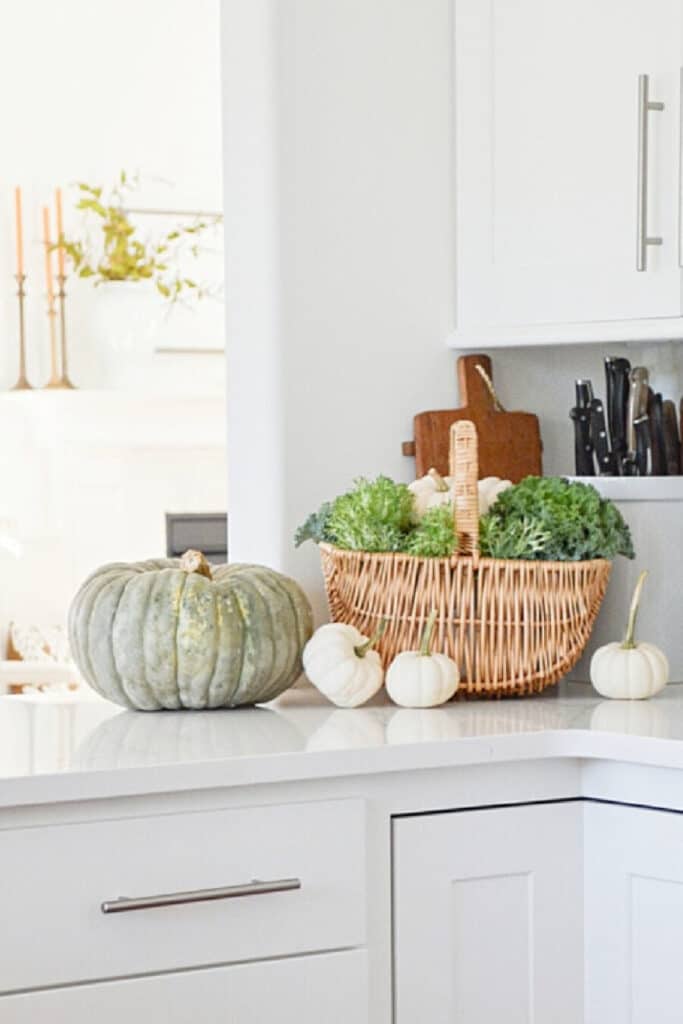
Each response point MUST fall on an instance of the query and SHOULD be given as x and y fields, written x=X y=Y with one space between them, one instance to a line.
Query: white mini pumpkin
x=418 y=679
x=431 y=490
x=627 y=670
x=341 y=663
x=489 y=489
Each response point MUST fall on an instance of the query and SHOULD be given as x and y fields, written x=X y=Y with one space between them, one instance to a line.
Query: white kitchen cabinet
x=302 y=990
x=319 y=846
x=489 y=916
x=547 y=904
x=634 y=915
x=547 y=160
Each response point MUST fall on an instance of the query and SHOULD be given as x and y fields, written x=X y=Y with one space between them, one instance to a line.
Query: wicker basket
x=513 y=627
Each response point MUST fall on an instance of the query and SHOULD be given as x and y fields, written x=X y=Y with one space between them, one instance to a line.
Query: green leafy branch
x=121 y=255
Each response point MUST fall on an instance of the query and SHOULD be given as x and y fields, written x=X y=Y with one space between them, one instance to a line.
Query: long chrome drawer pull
x=124 y=904
x=645 y=105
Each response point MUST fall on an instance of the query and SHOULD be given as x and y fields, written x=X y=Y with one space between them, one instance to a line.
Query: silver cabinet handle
x=124 y=904
x=645 y=105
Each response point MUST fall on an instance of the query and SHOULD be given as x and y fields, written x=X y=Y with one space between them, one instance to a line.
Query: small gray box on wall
x=206 y=532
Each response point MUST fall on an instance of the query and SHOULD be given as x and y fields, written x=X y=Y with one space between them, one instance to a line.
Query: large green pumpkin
x=176 y=633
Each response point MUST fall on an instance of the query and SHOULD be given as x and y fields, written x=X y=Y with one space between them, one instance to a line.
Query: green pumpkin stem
x=441 y=484
x=629 y=642
x=194 y=561
x=426 y=641
x=362 y=649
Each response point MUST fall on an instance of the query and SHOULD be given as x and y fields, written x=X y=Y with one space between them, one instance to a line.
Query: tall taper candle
x=19 y=232
x=60 y=230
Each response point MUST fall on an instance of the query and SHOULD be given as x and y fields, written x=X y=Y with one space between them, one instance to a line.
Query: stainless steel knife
x=643 y=447
x=639 y=380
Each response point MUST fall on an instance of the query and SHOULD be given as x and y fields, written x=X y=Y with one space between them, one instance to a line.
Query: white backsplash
x=541 y=380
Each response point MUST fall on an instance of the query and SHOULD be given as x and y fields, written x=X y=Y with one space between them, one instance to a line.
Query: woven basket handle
x=464 y=467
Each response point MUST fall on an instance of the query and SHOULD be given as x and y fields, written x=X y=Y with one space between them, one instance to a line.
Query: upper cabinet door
x=554 y=153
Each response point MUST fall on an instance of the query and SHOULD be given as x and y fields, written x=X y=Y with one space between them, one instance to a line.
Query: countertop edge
x=306 y=765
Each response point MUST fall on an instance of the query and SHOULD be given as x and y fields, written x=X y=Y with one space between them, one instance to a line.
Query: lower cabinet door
x=634 y=915
x=318 y=989
x=489 y=916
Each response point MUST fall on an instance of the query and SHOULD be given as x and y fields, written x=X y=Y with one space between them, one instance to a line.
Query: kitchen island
x=303 y=863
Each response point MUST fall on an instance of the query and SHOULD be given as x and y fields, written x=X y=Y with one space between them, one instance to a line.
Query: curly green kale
x=375 y=516
x=434 y=536
x=554 y=519
x=315 y=527
x=516 y=538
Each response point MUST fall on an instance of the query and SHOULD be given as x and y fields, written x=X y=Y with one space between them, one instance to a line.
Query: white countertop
x=62 y=747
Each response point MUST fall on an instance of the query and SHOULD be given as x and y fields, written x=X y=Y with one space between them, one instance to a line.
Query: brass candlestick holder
x=55 y=382
x=22 y=383
x=59 y=379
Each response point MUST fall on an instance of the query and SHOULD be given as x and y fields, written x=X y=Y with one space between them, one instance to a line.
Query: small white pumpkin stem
x=361 y=650
x=629 y=642
x=426 y=641
x=194 y=561
x=441 y=484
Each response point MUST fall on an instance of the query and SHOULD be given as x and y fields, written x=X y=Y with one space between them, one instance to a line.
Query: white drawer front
x=54 y=880
x=326 y=989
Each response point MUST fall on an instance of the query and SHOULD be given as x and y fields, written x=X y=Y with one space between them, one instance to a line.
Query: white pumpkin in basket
x=419 y=679
x=431 y=490
x=342 y=664
x=627 y=670
x=489 y=488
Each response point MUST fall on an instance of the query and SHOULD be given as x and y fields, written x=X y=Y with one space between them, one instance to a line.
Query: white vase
x=123 y=322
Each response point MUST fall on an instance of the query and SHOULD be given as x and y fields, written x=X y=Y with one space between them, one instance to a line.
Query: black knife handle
x=618 y=408
x=610 y=388
x=607 y=464
x=657 y=441
x=628 y=465
x=584 y=393
x=672 y=440
x=583 y=447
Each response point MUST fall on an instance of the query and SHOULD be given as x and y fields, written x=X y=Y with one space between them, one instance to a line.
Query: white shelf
x=93 y=418
x=603 y=332
x=636 y=488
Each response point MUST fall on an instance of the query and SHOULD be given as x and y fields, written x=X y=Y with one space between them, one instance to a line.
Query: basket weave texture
x=512 y=627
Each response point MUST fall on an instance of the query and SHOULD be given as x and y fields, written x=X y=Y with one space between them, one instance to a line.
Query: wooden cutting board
x=509 y=442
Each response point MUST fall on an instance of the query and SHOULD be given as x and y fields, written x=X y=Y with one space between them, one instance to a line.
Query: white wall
x=338 y=197
x=338 y=241
x=89 y=89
